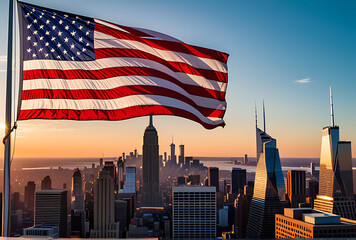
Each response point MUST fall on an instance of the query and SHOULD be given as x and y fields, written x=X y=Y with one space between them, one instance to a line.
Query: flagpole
x=7 y=158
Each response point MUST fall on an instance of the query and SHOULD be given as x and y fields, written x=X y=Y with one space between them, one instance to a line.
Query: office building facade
x=238 y=180
x=296 y=186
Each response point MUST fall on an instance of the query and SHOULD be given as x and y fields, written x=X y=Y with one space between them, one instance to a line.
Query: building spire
x=151 y=121
x=332 y=109
x=256 y=114
x=264 y=117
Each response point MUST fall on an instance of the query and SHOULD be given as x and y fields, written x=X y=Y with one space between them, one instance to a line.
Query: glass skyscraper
x=269 y=190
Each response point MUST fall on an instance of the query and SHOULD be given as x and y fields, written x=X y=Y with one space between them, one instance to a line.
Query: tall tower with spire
x=335 y=177
x=150 y=167
x=261 y=135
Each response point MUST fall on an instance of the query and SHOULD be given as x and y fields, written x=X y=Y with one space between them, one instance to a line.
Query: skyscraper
x=173 y=154
x=335 y=177
x=77 y=191
x=181 y=155
x=269 y=191
x=30 y=190
x=130 y=182
x=120 y=172
x=261 y=136
x=46 y=183
x=238 y=180
x=296 y=186
x=194 y=212
x=104 y=207
x=213 y=177
x=150 y=168
x=51 y=209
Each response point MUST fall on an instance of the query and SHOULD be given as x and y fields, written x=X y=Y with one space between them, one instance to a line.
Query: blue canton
x=50 y=34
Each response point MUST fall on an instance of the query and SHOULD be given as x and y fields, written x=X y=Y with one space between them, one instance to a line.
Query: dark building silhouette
x=213 y=177
x=313 y=189
x=238 y=180
x=296 y=186
x=120 y=173
x=181 y=155
x=150 y=168
x=181 y=181
x=77 y=191
x=193 y=179
x=51 y=209
x=15 y=201
x=46 y=183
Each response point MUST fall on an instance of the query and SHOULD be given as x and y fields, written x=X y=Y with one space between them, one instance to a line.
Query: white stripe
x=110 y=25
x=124 y=62
x=115 y=82
x=114 y=104
x=102 y=40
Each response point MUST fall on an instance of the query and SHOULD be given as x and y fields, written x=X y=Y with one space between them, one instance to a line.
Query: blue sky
x=272 y=45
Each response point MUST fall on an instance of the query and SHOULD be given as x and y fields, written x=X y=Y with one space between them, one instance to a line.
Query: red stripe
x=120 y=71
x=174 y=66
x=165 y=45
x=117 y=93
x=112 y=115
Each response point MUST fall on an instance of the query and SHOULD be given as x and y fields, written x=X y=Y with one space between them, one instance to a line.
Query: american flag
x=80 y=68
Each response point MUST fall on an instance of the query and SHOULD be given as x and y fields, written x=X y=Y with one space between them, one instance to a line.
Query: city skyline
x=290 y=64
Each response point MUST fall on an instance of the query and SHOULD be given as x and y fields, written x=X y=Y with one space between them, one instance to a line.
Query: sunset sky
x=286 y=53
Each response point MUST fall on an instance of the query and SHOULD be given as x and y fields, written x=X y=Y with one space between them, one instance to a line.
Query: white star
x=33 y=9
x=47 y=32
x=53 y=17
x=84 y=49
x=41 y=16
x=77 y=17
x=29 y=50
x=48 y=21
x=66 y=27
x=35 y=21
x=52 y=50
x=65 y=15
x=87 y=44
x=80 y=27
x=59 y=45
x=46 y=54
x=59 y=57
x=40 y=50
x=34 y=55
x=28 y=26
x=80 y=39
x=88 y=22
x=34 y=43
x=73 y=22
x=66 y=39
x=87 y=33
x=73 y=58
x=59 y=33
x=41 y=38
x=72 y=46
x=65 y=51
x=54 y=27
x=42 y=13
x=53 y=38
x=28 y=38
x=27 y=14
x=73 y=33
x=60 y=22
x=54 y=13
x=46 y=44
x=78 y=53
x=35 y=32
x=41 y=27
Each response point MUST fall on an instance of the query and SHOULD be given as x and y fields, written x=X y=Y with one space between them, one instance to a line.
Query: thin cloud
x=304 y=80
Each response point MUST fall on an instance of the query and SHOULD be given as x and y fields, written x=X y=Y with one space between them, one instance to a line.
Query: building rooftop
x=51 y=191
x=194 y=188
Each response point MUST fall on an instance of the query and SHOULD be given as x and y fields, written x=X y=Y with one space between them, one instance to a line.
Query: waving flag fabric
x=80 y=68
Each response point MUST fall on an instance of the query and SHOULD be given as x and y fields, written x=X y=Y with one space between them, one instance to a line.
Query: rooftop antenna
x=264 y=117
x=256 y=114
x=332 y=109
x=151 y=121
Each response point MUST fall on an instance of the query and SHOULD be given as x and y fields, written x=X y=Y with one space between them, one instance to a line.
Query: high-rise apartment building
x=194 y=212
x=51 y=209
x=336 y=176
x=213 y=177
x=296 y=186
x=77 y=191
x=238 y=180
x=104 y=207
x=150 y=168
x=269 y=191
